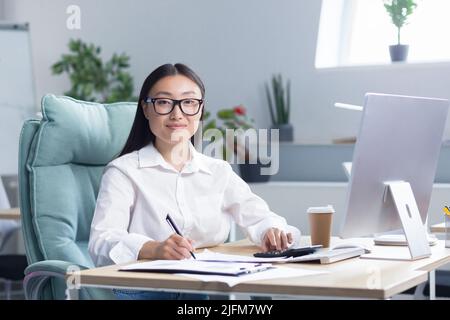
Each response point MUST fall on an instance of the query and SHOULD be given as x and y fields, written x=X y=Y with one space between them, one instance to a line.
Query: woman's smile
x=176 y=126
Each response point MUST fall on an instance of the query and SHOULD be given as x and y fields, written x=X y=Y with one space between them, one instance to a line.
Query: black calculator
x=294 y=252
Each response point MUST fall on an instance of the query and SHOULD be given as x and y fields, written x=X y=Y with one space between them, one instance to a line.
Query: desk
x=13 y=213
x=438 y=228
x=352 y=278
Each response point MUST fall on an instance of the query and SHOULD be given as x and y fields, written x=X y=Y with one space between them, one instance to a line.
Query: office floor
x=18 y=295
x=248 y=297
x=17 y=291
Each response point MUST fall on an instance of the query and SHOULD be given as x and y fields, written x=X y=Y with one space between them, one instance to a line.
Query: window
x=355 y=32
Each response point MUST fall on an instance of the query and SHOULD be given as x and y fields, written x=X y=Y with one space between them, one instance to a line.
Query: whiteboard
x=17 y=96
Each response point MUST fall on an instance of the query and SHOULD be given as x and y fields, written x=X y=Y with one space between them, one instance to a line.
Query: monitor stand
x=413 y=228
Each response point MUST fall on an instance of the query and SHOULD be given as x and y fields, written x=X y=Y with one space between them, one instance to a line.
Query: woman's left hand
x=276 y=239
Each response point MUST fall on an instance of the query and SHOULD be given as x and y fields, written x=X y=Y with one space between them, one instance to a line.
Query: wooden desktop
x=352 y=278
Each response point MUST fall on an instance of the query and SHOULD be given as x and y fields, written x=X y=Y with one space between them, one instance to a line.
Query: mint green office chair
x=61 y=161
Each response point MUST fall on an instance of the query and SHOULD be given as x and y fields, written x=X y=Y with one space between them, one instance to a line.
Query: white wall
x=292 y=199
x=2 y=9
x=234 y=45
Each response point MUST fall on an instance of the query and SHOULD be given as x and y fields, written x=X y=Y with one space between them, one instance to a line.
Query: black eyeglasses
x=165 y=106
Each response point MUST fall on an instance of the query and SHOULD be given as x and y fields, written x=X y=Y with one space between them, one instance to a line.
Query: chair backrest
x=61 y=161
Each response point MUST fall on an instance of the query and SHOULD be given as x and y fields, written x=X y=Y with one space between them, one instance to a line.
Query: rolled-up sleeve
x=251 y=212
x=110 y=242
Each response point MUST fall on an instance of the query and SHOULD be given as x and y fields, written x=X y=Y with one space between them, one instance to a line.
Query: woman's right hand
x=173 y=248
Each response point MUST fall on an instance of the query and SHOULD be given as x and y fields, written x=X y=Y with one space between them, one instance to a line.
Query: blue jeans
x=123 y=294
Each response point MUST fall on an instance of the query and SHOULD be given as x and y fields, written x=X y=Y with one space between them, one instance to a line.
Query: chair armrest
x=56 y=266
x=39 y=273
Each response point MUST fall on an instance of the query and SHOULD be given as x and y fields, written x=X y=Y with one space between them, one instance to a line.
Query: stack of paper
x=323 y=256
x=273 y=273
x=207 y=255
x=198 y=267
x=229 y=272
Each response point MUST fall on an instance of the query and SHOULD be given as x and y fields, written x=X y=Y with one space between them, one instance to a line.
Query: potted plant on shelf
x=399 y=11
x=236 y=118
x=280 y=107
x=91 y=78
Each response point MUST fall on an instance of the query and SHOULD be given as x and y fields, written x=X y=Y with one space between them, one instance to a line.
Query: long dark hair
x=140 y=134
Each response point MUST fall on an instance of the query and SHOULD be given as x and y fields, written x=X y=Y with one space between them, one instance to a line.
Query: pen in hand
x=176 y=230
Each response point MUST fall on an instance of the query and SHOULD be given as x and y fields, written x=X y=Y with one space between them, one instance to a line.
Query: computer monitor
x=399 y=139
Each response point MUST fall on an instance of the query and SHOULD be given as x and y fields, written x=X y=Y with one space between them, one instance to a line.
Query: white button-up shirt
x=139 y=189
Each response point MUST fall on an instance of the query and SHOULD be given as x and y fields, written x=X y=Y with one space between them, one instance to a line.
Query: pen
x=256 y=268
x=176 y=230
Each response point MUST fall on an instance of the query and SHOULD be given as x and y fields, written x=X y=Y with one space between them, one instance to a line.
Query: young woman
x=159 y=172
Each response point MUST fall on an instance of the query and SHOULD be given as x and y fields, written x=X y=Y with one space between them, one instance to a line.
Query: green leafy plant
x=91 y=78
x=399 y=11
x=279 y=100
x=229 y=118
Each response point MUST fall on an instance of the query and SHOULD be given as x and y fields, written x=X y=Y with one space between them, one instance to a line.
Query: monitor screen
x=400 y=139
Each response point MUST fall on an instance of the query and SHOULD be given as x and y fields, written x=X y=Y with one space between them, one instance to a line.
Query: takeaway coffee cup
x=320 y=219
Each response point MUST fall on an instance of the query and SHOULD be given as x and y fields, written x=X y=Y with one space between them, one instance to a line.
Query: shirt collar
x=197 y=162
x=149 y=156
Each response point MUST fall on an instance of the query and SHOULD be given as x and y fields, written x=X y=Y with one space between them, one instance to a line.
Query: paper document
x=226 y=270
x=198 y=267
x=323 y=256
x=274 y=273
x=207 y=255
